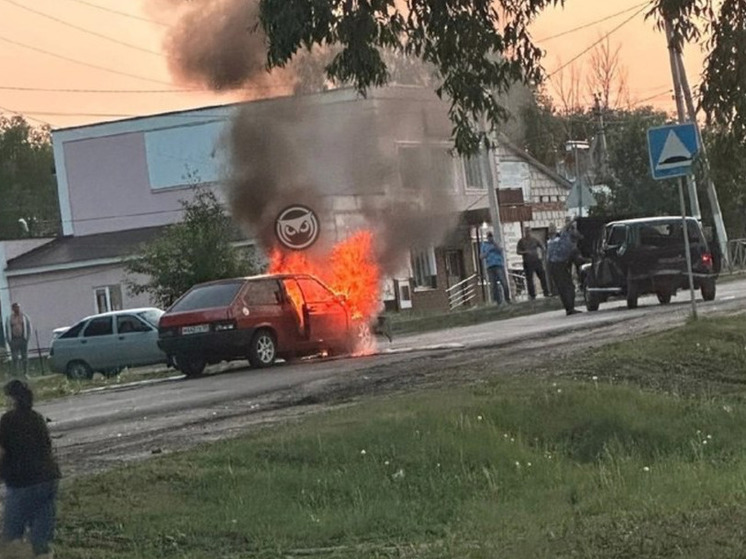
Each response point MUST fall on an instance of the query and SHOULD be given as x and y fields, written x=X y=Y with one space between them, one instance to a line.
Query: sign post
x=672 y=150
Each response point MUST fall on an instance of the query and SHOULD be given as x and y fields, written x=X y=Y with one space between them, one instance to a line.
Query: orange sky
x=643 y=52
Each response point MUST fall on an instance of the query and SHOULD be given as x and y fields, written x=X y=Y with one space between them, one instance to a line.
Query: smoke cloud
x=274 y=161
x=217 y=44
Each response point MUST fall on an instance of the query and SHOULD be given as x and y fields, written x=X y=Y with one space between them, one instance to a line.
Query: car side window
x=101 y=326
x=262 y=292
x=617 y=236
x=74 y=331
x=314 y=291
x=127 y=324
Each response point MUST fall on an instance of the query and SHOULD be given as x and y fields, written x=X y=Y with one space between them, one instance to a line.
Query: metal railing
x=463 y=292
x=737 y=254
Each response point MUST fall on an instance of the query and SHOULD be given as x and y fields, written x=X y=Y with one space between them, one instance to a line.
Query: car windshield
x=151 y=316
x=208 y=297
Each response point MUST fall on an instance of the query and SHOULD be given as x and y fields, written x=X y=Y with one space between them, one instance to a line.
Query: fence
x=462 y=292
x=737 y=254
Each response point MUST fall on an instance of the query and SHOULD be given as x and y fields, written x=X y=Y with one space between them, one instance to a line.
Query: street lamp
x=575 y=146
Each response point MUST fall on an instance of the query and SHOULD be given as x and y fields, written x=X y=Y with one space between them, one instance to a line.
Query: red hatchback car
x=257 y=318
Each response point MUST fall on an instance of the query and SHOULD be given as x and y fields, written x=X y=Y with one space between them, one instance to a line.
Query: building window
x=423 y=268
x=108 y=298
x=426 y=167
x=476 y=171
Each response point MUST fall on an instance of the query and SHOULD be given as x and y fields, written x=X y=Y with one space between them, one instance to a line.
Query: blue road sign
x=672 y=150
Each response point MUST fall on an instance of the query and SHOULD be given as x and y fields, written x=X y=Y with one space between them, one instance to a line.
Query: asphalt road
x=99 y=418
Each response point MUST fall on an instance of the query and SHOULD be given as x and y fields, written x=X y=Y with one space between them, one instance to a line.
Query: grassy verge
x=635 y=450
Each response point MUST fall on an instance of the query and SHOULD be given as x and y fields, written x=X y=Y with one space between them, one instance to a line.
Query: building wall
x=62 y=298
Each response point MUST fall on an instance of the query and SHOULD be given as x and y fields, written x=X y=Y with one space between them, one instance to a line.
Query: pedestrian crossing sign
x=672 y=150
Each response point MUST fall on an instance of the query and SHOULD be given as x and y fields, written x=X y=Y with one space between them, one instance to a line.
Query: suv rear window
x=667 y=234
x=208 y=297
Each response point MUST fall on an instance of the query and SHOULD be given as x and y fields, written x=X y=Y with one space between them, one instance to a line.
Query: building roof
x=66 y=250
x=530 y=159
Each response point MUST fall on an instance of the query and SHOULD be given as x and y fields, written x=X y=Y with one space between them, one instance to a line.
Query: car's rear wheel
x=191 y=365
x=592 y=300
x=79 y=370
x=263 y=349
x=708 y=290
x=632 y=294
x=664 y=296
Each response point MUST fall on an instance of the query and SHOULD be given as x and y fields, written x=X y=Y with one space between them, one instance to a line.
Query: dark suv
x=257 y=318
x=636 y=257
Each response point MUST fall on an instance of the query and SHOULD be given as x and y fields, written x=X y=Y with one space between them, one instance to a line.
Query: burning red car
x=257 y=318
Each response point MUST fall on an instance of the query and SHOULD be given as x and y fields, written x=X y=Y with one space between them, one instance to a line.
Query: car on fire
x=259 y=318
x=634 y=257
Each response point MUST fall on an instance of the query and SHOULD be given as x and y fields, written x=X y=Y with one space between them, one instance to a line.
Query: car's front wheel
x=191 y=365
x=592 y=300
x=79 y=370
x=708 y=290
x=664 y=297
x=263 y=349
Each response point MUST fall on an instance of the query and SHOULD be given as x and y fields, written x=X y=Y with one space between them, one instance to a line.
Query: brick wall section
x=433 y=299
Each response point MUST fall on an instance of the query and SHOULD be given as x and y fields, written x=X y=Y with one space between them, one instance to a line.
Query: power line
x=597 y=42
x=140 y=91
x=592 y=23
x=124 y=14
x=83 y=29
x=5 y=109
x=81 y=62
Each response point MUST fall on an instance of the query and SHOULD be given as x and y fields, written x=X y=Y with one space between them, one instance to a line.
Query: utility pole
x=599 y=110
x=672 y=53
x=712 y=195
x=491 y=179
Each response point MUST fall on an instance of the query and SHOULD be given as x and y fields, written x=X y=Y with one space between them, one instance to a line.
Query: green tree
x=28 y=189
x=195 y=250
x=634 y=192
x=479 y=48
x=728 y=168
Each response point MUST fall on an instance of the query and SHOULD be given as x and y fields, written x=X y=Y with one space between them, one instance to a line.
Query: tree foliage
x=28 y=188
x=196 y=250
x=479 y=48
x=723 y=88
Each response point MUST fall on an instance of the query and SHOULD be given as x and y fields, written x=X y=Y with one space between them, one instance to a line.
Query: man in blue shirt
x=494 y=260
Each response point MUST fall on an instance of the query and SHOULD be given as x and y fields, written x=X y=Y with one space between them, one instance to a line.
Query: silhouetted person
x=529 y=248
x=29 y=470
x=18 y=334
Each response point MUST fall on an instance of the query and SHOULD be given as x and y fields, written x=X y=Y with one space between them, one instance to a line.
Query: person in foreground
x=30 y=472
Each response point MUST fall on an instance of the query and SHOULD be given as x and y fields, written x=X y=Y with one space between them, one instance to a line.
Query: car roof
x=256 y=277
x=652 y=220
x=123 y=311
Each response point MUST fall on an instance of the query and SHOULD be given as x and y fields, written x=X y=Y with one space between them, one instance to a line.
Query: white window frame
x=426 y=257
x=107 y=290
x=467 y=162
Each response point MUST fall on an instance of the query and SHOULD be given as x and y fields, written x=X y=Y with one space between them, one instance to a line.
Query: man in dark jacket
x=562 y=253
x=529 y=248
x=29 y=470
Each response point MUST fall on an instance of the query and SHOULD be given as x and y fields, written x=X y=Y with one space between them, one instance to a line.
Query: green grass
x=636 y=450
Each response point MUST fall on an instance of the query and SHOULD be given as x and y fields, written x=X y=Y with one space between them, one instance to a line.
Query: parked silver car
x=107 y=343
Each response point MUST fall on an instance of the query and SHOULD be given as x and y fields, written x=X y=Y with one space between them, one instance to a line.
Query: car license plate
x=197 y=329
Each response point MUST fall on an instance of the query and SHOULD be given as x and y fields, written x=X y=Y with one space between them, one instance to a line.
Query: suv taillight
x=707 y=259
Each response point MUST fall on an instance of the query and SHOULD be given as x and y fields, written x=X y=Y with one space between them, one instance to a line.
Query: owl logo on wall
x=297 y=227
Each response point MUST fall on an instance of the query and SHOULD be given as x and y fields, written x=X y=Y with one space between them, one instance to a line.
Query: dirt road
x=97 y=430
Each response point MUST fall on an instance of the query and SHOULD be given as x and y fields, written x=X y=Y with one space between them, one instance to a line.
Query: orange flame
x=350 y=270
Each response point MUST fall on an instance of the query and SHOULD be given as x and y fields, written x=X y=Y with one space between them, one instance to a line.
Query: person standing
x=18 y=334
x=29 y=470
x=562 y=252
x=494 y=260
x=529 y=247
